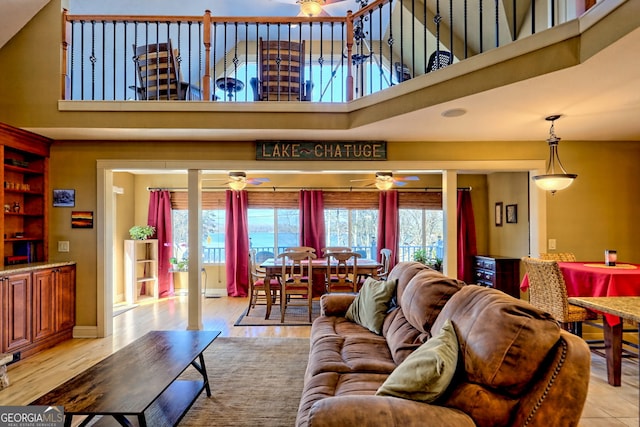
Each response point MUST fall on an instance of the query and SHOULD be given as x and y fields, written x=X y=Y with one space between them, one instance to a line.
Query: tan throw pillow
x=369 y=308
x=427 y=372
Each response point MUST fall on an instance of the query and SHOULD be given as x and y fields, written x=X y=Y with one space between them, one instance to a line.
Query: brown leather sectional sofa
x=516 y=367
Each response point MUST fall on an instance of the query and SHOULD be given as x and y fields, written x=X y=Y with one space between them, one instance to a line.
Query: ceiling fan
x=238 y=180
x=319 y=7
x=386 y=180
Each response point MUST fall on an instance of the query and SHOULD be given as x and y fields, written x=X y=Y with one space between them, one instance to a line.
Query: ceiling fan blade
x=408 y=178
x=257 y=181
x=360 y=180
x=399 y=183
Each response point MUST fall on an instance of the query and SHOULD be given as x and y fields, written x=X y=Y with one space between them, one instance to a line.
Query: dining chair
x=385 y=260
x=342 y=272
x=335 y=249
x=296 y=281
x=547 y=291
x=558 y=256
x=300 y=249
x=257 y=284
x=159 y=73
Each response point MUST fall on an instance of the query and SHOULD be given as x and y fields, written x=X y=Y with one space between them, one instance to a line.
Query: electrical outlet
x=552 y=244
x=63 y=246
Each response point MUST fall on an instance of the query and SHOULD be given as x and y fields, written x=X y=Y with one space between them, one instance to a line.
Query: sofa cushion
x=503 y=340
x=370 y=307
x=425 y=375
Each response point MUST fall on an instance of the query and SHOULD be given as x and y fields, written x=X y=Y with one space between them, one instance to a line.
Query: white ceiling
x=599 y=99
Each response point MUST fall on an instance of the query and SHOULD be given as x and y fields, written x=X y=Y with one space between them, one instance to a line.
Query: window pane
x=420 y=229
x=336 y=223
x=288 y=228
x=364 y=230
x=213 y=222
x=262 y=232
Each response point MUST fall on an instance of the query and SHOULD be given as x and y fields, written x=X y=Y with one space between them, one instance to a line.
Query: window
x=272 y=230
x=355 y=228
x=420 y=229
x=212 y=235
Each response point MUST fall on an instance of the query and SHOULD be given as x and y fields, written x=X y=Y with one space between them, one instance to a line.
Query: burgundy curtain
x=159 y=216
x=312 y=230
x=237 y=244
x=388 y=224
x=466 y=237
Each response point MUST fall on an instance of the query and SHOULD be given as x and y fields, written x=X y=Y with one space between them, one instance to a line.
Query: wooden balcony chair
x=257 y=287
x=281 y=72
x=342 y=272
x=297 y=281
x=402 y=72
x=548 y=292
x=159 y=72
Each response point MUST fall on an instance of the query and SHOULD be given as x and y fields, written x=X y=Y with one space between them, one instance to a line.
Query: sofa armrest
x=382 y=411
x=335 y=304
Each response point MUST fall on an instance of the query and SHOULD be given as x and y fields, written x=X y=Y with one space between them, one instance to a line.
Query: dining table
x=272 y=268
x=596 y=279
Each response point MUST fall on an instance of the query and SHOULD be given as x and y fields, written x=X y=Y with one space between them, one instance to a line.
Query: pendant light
x=556 y=177
x=310 y=7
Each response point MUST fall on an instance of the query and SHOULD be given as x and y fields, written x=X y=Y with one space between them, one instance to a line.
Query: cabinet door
x=16 y=311
x=44 y=296
x=65 y=298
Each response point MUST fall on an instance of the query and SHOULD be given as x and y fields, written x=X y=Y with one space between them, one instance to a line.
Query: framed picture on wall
x=512 y=214
x=64 y=198
x=498 y=213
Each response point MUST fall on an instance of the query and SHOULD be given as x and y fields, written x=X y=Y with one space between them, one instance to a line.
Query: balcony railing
x=369 y=50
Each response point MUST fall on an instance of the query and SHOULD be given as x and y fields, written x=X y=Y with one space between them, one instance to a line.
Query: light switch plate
x=63 y=246
x=552 y=244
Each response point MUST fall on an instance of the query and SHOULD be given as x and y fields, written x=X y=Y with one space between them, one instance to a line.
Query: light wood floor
x=32 y=377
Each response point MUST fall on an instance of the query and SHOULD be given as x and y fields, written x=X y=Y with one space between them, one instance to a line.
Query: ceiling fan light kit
x=553 y=180
x=311 y=7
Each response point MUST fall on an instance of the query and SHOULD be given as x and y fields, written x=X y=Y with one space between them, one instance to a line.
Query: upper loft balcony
x=530 y=66
x=345 y=50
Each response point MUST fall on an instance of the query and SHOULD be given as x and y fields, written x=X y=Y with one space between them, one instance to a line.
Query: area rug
x=295 y=316
x=254 y=382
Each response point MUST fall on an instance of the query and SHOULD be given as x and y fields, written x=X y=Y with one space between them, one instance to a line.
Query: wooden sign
x=321 y=150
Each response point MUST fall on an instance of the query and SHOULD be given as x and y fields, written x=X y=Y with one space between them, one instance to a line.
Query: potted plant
x=420 y=256
x=141 y=232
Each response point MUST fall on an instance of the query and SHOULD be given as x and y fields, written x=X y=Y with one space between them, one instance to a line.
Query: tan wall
x=509 y=239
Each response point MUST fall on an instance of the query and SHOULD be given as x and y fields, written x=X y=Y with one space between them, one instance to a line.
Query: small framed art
x=498 y=213
x=81 y=219
x=64 y=198
x=512 y=214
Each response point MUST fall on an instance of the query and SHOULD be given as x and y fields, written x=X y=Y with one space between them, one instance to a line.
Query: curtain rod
x=304 y=188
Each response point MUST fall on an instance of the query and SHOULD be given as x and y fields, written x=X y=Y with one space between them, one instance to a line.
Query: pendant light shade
x=310 y=7
x=556 y=177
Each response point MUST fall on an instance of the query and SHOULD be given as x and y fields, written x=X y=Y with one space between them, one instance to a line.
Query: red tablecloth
x=594 y=279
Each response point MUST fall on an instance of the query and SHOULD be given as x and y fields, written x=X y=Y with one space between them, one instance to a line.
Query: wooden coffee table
x=138 y=384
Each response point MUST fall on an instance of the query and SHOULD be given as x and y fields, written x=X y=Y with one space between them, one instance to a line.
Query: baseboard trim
x=85 y=332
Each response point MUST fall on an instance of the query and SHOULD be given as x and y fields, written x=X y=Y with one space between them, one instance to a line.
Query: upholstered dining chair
x=559 y=256
x=342 y=271
x=297 y=281
x=257 y=284
x=547 y=291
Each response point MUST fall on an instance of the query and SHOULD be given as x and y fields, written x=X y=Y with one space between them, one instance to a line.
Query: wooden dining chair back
x=558 y=256
x=300 y=249
x=281 y=72
x=548 y=292
x=335 y=249
x=257 y=287
x=385 y=260
x=297 y=281
x=159 y=72
x=342 y=272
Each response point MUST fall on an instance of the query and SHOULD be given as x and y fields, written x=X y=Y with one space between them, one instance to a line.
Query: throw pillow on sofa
x=370 y=306
x=427 y=372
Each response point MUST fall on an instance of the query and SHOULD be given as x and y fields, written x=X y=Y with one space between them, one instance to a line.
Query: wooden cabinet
x=24 y=198
x=16 y=311
x=502 y=273
x=38 y=308
x=140 y=269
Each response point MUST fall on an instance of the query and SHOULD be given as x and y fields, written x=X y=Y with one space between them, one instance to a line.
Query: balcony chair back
x=159 y=72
